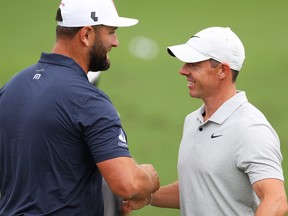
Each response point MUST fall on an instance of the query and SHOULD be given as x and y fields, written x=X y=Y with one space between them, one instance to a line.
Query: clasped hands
x=146 y=198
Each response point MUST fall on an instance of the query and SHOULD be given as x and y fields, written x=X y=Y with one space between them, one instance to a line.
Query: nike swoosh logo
x=215 y=136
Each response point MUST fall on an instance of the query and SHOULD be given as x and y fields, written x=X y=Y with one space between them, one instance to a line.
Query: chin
x=193 y=95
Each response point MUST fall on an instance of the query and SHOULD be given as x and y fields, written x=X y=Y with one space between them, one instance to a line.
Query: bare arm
x=129 y=180
x=167 y=196
x=271 y=192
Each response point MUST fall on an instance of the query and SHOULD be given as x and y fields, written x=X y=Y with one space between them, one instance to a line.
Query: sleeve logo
x=122 y=137
x=122 y=140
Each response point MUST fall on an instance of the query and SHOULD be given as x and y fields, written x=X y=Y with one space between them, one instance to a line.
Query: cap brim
x=186 y=53
x=120 y=22
x=114 y=22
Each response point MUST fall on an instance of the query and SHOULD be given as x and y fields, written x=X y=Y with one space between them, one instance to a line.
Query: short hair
x=214 y=63
x=67 y=32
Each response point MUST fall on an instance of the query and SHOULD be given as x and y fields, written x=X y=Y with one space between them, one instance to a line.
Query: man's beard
x=98 y=58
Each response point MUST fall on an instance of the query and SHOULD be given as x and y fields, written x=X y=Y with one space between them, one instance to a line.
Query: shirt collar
x=61 y=60
x=226 y=109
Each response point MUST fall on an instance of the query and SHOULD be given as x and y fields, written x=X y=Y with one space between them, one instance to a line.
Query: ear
x=86 y=35
x=224 y=71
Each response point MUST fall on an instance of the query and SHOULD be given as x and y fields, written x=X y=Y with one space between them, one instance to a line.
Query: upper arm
x=272 y=194
x=269 y=188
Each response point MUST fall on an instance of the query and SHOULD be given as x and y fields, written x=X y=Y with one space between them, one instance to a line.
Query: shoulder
x=252 y=123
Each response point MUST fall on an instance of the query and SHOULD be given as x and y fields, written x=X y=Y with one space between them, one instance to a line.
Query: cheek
x=107 y=44
x=212 y=82
x=205 y=79
x=212 y=76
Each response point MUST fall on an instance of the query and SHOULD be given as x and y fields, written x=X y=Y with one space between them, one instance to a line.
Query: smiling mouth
x=190 y=83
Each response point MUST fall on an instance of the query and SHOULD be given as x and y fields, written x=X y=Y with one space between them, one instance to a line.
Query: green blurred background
x=143 y=82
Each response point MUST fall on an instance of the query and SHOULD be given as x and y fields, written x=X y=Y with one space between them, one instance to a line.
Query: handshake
x=131 y=182
x=149 y=185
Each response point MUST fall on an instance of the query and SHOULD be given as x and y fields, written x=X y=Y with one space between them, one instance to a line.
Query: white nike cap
x=218 y=43
x=79 y=13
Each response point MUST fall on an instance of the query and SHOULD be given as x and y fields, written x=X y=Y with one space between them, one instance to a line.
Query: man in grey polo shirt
x=229 y=158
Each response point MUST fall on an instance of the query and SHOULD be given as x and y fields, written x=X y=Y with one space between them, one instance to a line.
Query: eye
x=113 y=31
x=193 y=65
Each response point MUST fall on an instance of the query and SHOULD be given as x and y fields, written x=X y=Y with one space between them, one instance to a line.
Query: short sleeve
x=258 y=153
x=100 y=126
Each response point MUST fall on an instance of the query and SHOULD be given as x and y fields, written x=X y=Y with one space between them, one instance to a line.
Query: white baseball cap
x=218 y=43
x=79 y=13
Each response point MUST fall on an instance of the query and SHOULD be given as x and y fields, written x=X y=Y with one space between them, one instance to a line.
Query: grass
x=150 y=95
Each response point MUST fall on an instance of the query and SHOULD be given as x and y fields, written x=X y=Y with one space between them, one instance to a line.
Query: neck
x=71 y=50
x=213 y=103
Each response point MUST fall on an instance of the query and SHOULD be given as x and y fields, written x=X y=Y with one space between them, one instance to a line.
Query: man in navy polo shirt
x=59 y=134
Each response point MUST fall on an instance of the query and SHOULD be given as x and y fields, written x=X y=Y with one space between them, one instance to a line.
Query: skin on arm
x=166 y=197
x=129 y=180
x=273 y=198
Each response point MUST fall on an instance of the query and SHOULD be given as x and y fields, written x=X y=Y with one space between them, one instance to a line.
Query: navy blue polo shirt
x=54 y=127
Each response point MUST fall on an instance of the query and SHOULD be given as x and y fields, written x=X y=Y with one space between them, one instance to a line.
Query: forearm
x=167 y=196
x=146 y=182
x=129 y=180
x=272 y=208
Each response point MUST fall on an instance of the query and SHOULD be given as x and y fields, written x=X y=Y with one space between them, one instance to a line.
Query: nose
x=184 y=70
x=115 y=42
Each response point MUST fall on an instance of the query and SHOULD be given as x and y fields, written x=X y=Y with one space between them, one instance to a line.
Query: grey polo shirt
x=221 y=158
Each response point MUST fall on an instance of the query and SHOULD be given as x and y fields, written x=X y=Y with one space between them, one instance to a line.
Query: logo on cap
x=93 y=16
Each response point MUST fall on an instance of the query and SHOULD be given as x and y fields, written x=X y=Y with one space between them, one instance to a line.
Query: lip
x=190 y=83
